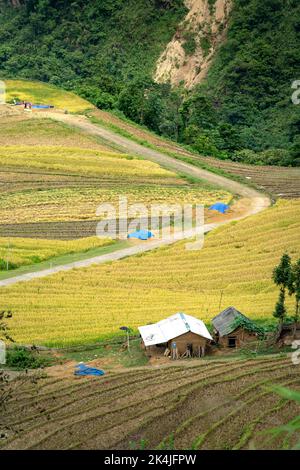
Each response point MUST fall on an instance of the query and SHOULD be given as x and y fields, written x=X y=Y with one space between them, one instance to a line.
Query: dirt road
x=258 y=202
x=116 y=255
x=128 y=146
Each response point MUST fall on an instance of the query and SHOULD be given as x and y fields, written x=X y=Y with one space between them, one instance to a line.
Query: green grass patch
x=64 y=259
x=19 y=358
x=117 y=354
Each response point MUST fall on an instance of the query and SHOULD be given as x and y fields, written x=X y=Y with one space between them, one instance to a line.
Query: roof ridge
x=186 y=323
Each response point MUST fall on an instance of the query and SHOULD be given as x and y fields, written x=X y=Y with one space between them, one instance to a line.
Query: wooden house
x=177 y=336
x=232 y=329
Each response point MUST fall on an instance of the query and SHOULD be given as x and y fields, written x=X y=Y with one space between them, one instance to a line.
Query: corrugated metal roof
x=224 y=321
x=172 y=327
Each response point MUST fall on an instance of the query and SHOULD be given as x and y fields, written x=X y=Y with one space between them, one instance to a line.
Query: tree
x=133 y=98
x=282 y=278
x=280 y=310
x=294 y=288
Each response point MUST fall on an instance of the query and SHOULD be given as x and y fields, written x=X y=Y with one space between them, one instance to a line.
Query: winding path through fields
x=258 y=203
x=133 y=148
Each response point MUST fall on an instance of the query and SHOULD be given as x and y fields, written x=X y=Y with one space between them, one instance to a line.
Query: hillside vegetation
x=94 y=45
x=233 y=268
x=108 y=53
x=249 y=84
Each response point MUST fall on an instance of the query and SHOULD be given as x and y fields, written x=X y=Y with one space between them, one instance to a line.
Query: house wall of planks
x=241 y=336
x=199 y=345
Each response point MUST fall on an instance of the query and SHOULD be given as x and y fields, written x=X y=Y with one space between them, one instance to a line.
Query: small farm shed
x=232 y=329
x=180 y=335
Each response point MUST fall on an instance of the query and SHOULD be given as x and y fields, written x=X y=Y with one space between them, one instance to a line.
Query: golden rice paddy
x=233 y=268
x=16 y=252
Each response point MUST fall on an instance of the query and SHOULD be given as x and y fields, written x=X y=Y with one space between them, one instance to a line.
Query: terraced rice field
x=233 y=268
x=44 y=184
x=282 y=182
x=24 y=130
x=196 y=405
x=42 y=93
x=23 y=251
x=71 y=230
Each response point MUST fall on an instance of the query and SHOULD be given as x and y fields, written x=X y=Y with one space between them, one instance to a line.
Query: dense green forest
x=106 y=51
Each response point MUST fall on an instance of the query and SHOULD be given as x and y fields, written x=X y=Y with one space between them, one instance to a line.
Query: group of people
x=26 y=104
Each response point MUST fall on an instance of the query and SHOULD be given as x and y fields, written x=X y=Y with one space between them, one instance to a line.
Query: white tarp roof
x=172 y=327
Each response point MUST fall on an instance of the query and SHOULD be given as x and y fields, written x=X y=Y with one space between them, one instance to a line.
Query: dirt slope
x=188 y=55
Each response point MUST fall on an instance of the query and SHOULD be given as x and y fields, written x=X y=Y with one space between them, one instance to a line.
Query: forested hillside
x=108 y=51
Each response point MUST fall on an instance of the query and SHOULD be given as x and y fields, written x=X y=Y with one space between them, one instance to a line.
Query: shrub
x=205 y=46
x=189 y=44
x=4 y=265
x=21 y=358
x=98 y=97
x=204 y=145
x=279 y=157
x=245 y=155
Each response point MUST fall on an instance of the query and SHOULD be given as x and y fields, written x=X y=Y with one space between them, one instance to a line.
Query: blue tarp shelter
x=220 y=207
x=82 y=370
x=141 y=234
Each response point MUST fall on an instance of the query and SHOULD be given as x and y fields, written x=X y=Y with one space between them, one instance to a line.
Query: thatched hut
x=177 y=336
x=232 y=329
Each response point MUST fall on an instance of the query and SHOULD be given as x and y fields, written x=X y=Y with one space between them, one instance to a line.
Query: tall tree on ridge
x=282 y=278
x=294 y=288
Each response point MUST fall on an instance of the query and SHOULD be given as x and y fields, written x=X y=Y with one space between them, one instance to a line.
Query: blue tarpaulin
x=35 y=106
x=219 y=206
x=41 y=106
x=83 y=369
x=141 y=234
